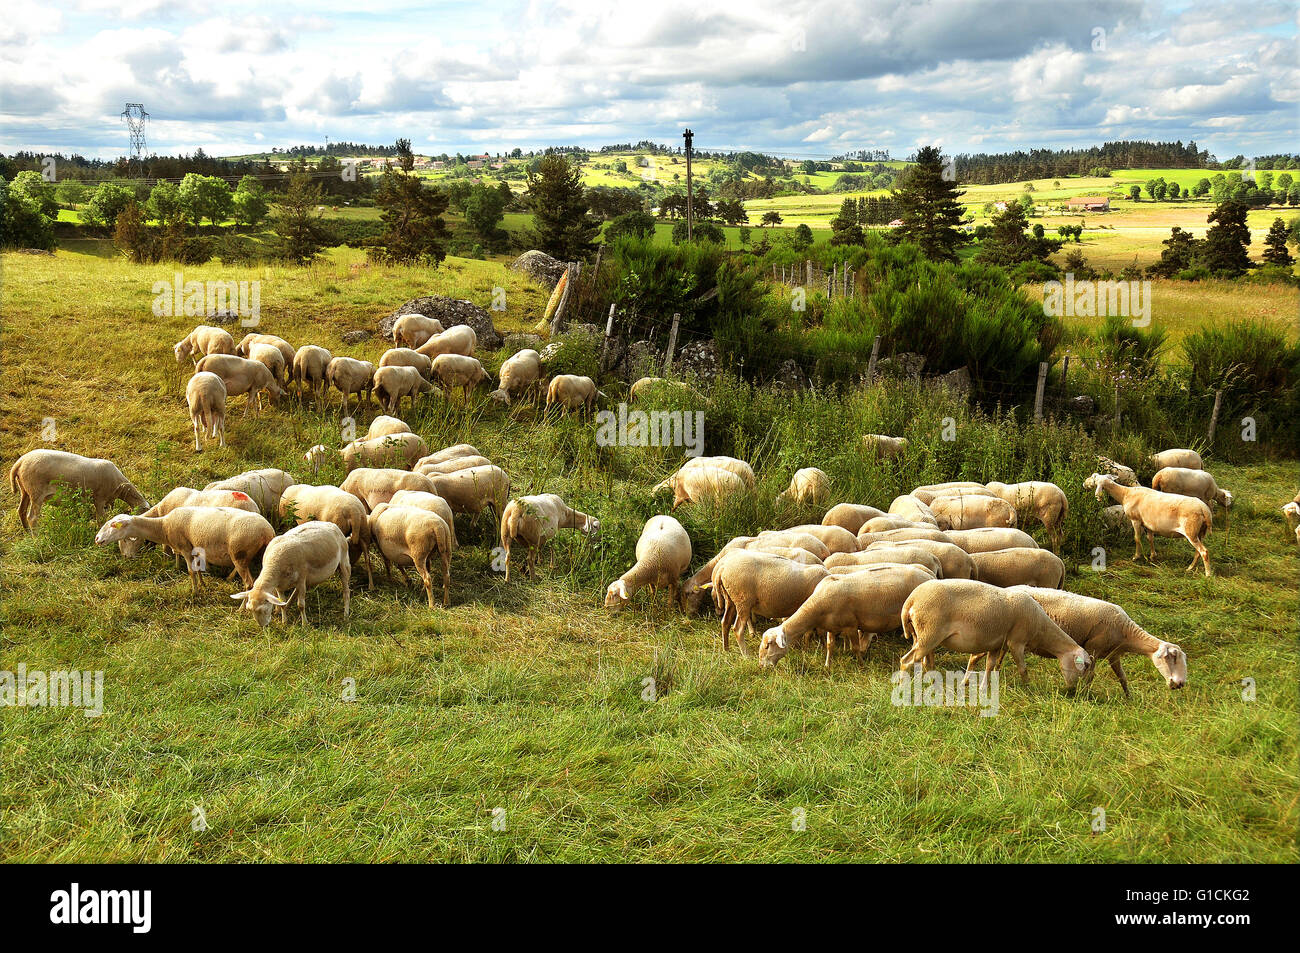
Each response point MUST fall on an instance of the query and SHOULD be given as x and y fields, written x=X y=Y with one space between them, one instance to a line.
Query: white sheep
x=955 y=488
x=519 y=373
x=1019 y=566
x=910 y=508
x=244 y=347
x=188 y=496
x=473 y=490
x=423 y=500
x=808 y=485
x=373 y=486
x=1292 y=511
x=663 y=552
x=780 y=542
x=836 y=538
x=697 y=484
x=972 y=512
x=1046 y=502
x=981 y=620
x=452 y=465
x=884 y=446
x=411 y=536
x=1187 y=459
x=242 y=376
x=1158 y=514
x=350 y=376
x=264 y=486
x=989 y=538
x=271 y=356
x=305 y=556
x=311 y=364
x=955 y=562
x=450 y=453
x=455 y=371
x=35 y=475
x=645 y=385
x=1198 y=483
x=571 y=392
x=383 y=425
x=407 y=357
x=413 y=330
x=882 y=524
x=203 y=535
x=865 y=538
x=204 y=340
x=855 y=606
x=206 y=396
x=746 y=583
x=460 y=339
x=332 y=505
x=902 y=553
x=396 y=450
x=731 y=464
x=531 y=521
x=851 y=516
x=1106 y=632
x=394 y=383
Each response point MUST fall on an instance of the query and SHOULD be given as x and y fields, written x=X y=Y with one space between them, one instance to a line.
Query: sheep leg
x=24 y=503
x=741 y=622
x=423 y=569
x=446 y=576
x=196 y=421
x=302 y=602
x=365 y=555
x=1137 y=540
x=1119 y=673
x=1203 y=555
x=830 y=643
x=727 y=619
x=245 y=574
x=970 y=667
x=345 y=570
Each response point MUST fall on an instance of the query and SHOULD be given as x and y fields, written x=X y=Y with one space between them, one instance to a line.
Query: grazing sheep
x=1292 y=511
x=809 y=485
x=906 y=554
x=474 y=490
x=1019 y=566
x=531 y=521
x=851 y=516
x=646 y=384
x=956 y=488
x=882 y=524
x=244 y=347
x=187 y=496
x=1106 y=632
x=349 y=376
x=396 y=450
x=413 y=330
x=1124 y=476
x=428 y=501
x=394 y=383
x=383 y=425
x=883 y=446
x=779 y=542
x=910 y=508
x=837 y=538
x=972 y=512
x=332 y=505
x=519 y=373
x=407 y=357
x=373 y=486
x=1044 y=501
x=452 y=465
x=731 y=464
x=796 y=539
x=411 y=536
x=35 y=474
x=204 y=340
x=303 y=557
x=1187 y=459
x=989 y=538
x=242 y=376
x=460 y=339
x=458 y=371
x=746 y=583
x=865 y=539
x=855 y=606
x=662 y=554
x=955 y=561
x=1158 y=514
x=206 y=396
x=203 y=535
x=271 y=356
x=981 y=620
x=1197 y=483
x=264 y=486
x=571 y=392
x=311 y=364
x=695 y=484
x=450 y=453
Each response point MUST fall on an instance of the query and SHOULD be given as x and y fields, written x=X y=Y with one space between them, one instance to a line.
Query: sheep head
x=261 y=604
x=1171 y=662
x=773 y=646
x=119 y=527
x=1076 y=667
x=617 y=596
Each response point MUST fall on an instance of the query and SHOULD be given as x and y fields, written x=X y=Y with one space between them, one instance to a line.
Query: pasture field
x=530 y=697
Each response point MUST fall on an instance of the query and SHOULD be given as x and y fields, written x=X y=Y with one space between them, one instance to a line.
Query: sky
x=801 y=78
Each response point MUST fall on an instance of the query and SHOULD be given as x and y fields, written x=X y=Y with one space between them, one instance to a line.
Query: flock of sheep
x=949 y=564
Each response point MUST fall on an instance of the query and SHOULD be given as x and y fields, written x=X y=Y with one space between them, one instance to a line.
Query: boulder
x=518 y=341
x=1081 y=406
x=450 y=311
x=539 y=266
x=905 y=365
x=791 y=376
x=957 y=381
x=643 y=360
x=356 y=336
x=698 y=359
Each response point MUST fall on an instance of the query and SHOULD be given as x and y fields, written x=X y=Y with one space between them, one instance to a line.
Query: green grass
x=528 y=697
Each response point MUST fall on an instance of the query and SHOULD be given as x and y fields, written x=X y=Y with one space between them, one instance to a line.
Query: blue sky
x=800 y=77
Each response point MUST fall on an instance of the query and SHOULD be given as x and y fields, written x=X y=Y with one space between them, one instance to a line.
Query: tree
x=206 y=196
x=72 y=193
x=771 y=218
x=927 y=204
x=484 y=211
x=700 y=232
x=23 y=224
x=802 y=237
x=300 y=235
x=106 y=203
x=1174 y=190
x=1224 y=252
x=1007 y=244
x=1135 y=193
x=563 y=229
x=1275 y=250
x=164 y=205
x=1202 y=187
x=131 y=235
x=1178 y=254
x=249 y=202
x=638 y=224
x=414 y=232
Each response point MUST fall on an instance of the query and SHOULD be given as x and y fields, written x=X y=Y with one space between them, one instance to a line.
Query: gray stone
x=1082 y=406
x=791 y=376
x=539 y=266
x=450 y=311
x=357 y=336
x=905 y=365
x=698 y=359
x=519 y=341
x=957 y=381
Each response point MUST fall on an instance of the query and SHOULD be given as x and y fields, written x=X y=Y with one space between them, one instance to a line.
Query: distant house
x=1000 y=206
x=1089 y=203
x=439 y=164
x=475 y=163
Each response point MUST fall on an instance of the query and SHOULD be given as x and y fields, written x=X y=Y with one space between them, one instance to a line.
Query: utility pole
x=136 y=118
x=690 y=205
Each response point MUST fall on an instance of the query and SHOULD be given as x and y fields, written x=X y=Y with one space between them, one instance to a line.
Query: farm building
x=1089 y=203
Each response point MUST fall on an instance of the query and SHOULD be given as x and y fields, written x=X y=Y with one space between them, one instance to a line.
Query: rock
x=698 y=359
x=551 y=350
x=643 y=360
x=905 y=365
x=791 y=376
x=450 y=311
x=357 y=336
x=539 y=266
x=519 y=341
x=957 y=381
x=1082 y=406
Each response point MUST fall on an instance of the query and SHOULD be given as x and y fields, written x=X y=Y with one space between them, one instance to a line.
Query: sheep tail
x=13 y=475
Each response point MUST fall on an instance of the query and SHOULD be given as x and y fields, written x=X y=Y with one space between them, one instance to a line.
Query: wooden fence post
x=808 y=272
x=595 y=272
x=1117 y=405
x=609 y=329
x=672 y=344
x=1065 y=374
x=1214 y=418
x=871 y=365
x=1038 y=394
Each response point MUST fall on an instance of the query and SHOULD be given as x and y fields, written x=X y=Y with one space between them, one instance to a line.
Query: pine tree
x=928 y=207
x=1275 y=250
x=563 y=229
x=1007 y=243
x=1224 y=252
x=300 y=236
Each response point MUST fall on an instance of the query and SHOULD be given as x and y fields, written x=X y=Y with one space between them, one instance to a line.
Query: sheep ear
x=780 y=639
x=276 y=600
x=706 y=587
x=242 y=596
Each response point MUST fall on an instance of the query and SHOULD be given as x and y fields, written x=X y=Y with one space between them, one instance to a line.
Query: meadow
x=527 y=704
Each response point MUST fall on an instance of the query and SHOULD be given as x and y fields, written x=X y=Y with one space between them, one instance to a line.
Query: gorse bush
x=1124 y=349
